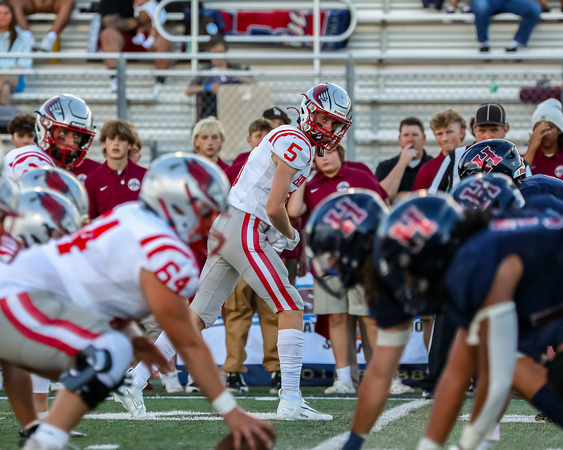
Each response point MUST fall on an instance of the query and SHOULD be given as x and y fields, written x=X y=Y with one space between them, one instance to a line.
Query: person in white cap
x=545 y=151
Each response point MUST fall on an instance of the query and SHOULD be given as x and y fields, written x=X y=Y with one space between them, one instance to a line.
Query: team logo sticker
x=342 y=186
x=345 y=215
x=486 y=159
x=134 y=184
x=413 y=229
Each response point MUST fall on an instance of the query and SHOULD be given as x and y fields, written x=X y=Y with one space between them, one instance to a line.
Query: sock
x=549 y=403
x=42 y=415
x=40 y=384
x=514 y=44
x=354 y=442
x=141 y=373
x=290 y=351
x=343 y=374
x=50 y=436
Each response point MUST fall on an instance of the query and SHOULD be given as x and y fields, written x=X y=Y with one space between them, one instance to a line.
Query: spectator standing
x=205 y=87
x=397 y=175
x=119 y=28
x=449 y=130
x=333 y=176
x=61 y=8
x=117 y=180
x=529 y=10
x=21 y=129
x=545 y=151
x=12 y=40
x=208 y=137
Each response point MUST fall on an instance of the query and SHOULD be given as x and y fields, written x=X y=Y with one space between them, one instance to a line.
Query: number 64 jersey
x=99 y=266
x=252 y=187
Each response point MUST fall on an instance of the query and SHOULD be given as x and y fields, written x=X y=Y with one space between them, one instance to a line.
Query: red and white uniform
x=251 y=190
x=246 y=250
x=99 y=267
x=9 y=248
x=21 y=160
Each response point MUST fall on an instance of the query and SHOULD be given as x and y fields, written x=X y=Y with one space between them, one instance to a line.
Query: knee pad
x=99 y=369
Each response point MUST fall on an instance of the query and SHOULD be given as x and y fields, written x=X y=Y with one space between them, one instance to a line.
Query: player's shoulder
x=287 y=133
x=291 y=145
x=19 y=155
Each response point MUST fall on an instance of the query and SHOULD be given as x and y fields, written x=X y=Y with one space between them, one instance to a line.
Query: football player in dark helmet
x=488 y=190
x=493 y=155
x=541 y=184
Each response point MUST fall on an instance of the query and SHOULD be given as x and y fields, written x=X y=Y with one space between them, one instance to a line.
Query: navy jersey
x=388 y=313
x=541 y=184
x=537 y=240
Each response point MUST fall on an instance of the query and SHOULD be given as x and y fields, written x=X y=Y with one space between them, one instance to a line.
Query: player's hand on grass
x=248 y=432
x=144 y=350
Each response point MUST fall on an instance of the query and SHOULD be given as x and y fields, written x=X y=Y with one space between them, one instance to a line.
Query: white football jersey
x=21 y=160
x=9 y=247
x=252 y=187
x=99 y=266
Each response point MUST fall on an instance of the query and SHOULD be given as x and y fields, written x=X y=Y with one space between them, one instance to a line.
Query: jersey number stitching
x=292 y=155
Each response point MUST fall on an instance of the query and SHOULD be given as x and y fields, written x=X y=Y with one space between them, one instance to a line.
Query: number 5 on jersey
x=291 y=154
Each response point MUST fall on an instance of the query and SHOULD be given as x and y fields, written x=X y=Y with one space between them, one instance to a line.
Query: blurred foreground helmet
x=492 y=155
x=58 y=180
x=487 y=191
x=332 y=101
x=339 y=235
x=414 y=246
x=44 y=214
x=9 y=197
x=58 y=118
x=187 y=191
x=541 y=184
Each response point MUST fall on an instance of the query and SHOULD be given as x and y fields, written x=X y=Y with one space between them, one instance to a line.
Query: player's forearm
x=296 y=206
x=392 y=181
x=280 y=221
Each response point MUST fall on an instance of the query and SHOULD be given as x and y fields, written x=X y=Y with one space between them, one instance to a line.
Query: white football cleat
x=298 y=410
x=131 y=397
x=191 y=386
x=171 y=382
x=398 y=388
x=339 y=387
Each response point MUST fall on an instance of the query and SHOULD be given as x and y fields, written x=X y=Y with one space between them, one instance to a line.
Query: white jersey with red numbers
x=252 y=187
x=99 y=266
x=21 y=160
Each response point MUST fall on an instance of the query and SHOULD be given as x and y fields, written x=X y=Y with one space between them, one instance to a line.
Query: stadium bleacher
x=386 y=90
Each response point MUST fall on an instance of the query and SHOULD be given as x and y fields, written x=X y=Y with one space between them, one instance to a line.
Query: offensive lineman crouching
x=57 y=317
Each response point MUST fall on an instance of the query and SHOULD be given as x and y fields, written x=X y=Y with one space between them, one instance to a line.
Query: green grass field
x=184 y=421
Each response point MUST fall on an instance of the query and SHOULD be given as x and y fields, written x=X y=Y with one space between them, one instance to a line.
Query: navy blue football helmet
x=414 y=245
x=542 y=184
x=492 y=155
x=488 y=191
x=339 y=235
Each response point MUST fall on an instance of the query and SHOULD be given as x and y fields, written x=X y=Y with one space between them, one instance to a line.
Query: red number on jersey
x=80 y=238
x=291 y=154
x=165 y=276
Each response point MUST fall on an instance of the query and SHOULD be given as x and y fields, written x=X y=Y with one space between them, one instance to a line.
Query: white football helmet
x=61 y=115
x=45 y=214
x=9 y=197
x=60 y=181
x=187 y=191
x=332 y=101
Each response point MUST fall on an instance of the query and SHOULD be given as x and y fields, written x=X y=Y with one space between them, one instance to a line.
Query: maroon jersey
x=86 y=168
x=321 y=186
x=427 y=172
x=548 y=165
x=107 y=188
x=222 y=164
x=241 y=158
x=359 y=166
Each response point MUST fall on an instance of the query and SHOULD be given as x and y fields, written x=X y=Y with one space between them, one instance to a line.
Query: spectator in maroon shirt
x=208 y=137
x=545 y=151
x=449 y=130
x=117 y=180
x=135 y=152
x=397 y=175
x=21 y=128
x=256 y=132
x=334 y=176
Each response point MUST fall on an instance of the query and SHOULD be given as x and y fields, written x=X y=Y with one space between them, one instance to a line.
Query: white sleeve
x=174 y=264
x=294 y=149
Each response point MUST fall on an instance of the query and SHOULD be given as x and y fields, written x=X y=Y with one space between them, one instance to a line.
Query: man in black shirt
x=397 y=174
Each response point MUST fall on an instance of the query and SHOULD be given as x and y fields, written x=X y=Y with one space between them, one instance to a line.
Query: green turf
x=181 y=434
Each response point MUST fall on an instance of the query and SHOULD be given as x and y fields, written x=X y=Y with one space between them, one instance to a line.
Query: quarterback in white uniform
x=245 y=241
x=64 y=130
x=72 y=312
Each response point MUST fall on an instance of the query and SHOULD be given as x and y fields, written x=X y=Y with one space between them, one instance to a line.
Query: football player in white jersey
x=257 y=227
x=64 y=131
x=73 y=311
x=9 y=200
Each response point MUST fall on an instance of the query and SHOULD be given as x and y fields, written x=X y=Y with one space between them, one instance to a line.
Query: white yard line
x=102 y=447
x=389 y=416
x=174 y=416
x=508 y=418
